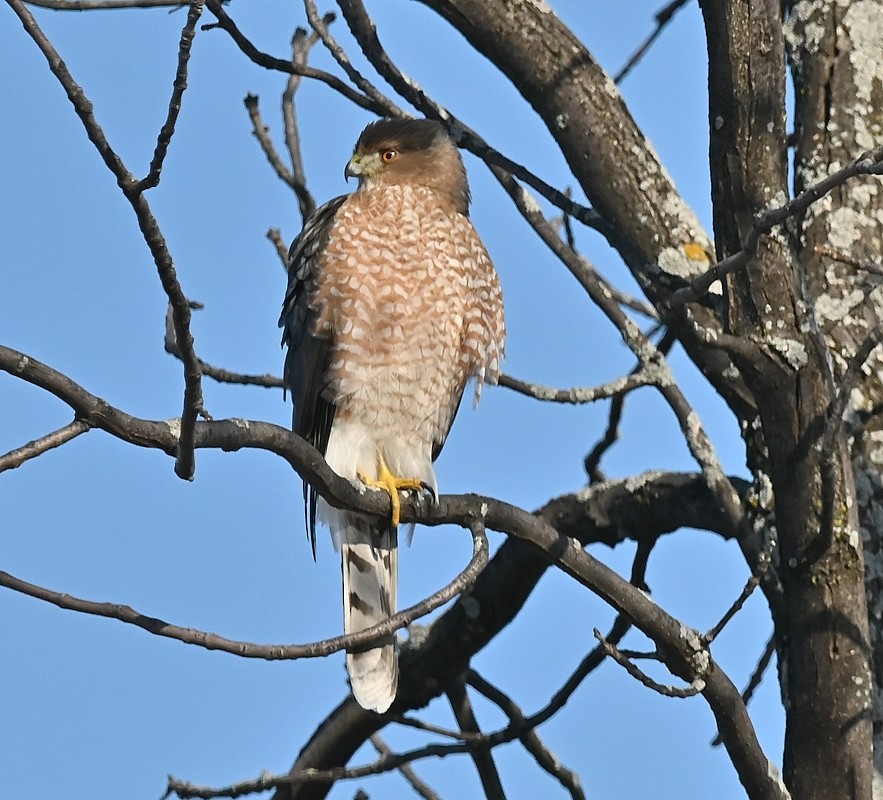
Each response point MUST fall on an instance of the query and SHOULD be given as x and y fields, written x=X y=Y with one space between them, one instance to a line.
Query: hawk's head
x=416 y=152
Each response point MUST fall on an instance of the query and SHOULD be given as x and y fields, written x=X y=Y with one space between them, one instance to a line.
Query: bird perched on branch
x=393 y=305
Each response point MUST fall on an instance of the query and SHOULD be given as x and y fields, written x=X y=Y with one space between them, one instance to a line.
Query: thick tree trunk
x=822 y=630
x=837 y=63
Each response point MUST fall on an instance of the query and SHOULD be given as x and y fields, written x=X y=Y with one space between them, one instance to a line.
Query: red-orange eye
x=389 y=155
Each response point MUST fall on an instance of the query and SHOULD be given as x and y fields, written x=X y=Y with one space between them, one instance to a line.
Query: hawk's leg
x=392 y=485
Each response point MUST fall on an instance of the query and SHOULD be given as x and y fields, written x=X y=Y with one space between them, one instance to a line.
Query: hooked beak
x=362 y=166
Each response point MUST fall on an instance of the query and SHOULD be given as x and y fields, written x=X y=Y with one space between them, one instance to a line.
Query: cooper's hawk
x=392 y=306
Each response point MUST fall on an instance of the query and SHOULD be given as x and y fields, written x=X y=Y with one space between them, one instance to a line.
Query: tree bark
x=822 y=631
x=835 y=55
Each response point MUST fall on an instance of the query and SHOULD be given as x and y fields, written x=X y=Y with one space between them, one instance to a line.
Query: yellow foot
x=392 y=485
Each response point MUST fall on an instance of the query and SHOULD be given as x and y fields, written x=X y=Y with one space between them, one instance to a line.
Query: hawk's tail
x=370 y=560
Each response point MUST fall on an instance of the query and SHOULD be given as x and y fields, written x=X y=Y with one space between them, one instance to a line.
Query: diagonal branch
x=15 y=458
x=407 y=772
x=530 y=739
x=390 y=109
x=663 y=17
x=281 y=65
x=178 y=87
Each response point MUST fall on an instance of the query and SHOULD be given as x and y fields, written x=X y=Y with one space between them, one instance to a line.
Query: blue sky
x=105 y=710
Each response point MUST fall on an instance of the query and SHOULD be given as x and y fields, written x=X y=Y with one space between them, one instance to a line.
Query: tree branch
x=868 y=163
x=546 y=759
x=184 y=466
x=15 y=458
x=678 y=644
x=270 y=652
x=179 y=86
x=407 y=772
x=482 y=757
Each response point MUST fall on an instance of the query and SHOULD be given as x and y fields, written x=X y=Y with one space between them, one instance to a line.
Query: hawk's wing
x=307 y=357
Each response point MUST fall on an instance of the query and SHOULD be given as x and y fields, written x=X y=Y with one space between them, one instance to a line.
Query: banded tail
x=369 y=560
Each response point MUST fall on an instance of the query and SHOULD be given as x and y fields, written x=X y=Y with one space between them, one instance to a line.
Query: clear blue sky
x=94 y=709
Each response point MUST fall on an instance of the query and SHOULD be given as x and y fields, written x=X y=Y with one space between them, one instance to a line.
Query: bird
x=393 y=305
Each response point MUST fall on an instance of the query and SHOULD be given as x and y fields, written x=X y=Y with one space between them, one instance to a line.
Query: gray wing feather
x=307 y=357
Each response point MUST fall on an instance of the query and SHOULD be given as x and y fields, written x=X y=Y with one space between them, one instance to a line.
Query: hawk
x=393 y=305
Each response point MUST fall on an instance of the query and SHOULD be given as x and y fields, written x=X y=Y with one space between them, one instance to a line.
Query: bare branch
x=530 y=739
x=751 y=584
x=874 y=267
x=268 y=652
x=407 y=771
x=178 y=87
x=579 y=395
x=262 y=134
x=184 y=466
x=219 y=374
x=275 y=236
x=281 y=65
x=103 y=5
x=390 y=109
x=386 y=763
x=756 y=677
x=482 y=757
x=868 y=163
x=611 y=650
x=648 y=355
x=827 y=456
x=663 y=17
x=301 y=45
x=15 y=458
x=679 y=644
x=592 y=461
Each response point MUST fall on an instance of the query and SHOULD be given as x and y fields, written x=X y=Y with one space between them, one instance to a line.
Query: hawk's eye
x=389 y=155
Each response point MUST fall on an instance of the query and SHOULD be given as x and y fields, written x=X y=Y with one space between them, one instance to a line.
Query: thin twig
x=668 y=691
x=281 y=65
x=219 y=374
x=178 y=88
x=15 y=458
x=663 y=17
x=269 y=652
x=262 y=133
x=405 y=769
x=420 y=725
x=874 y=267
x=592 y=461
x=578 y=395
x=696 y=438
x=390 y=109
x=275 y=236
x=546 y=759
x=301 y=44
x=868 y=163
x=751 y=584
x=103 y=5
